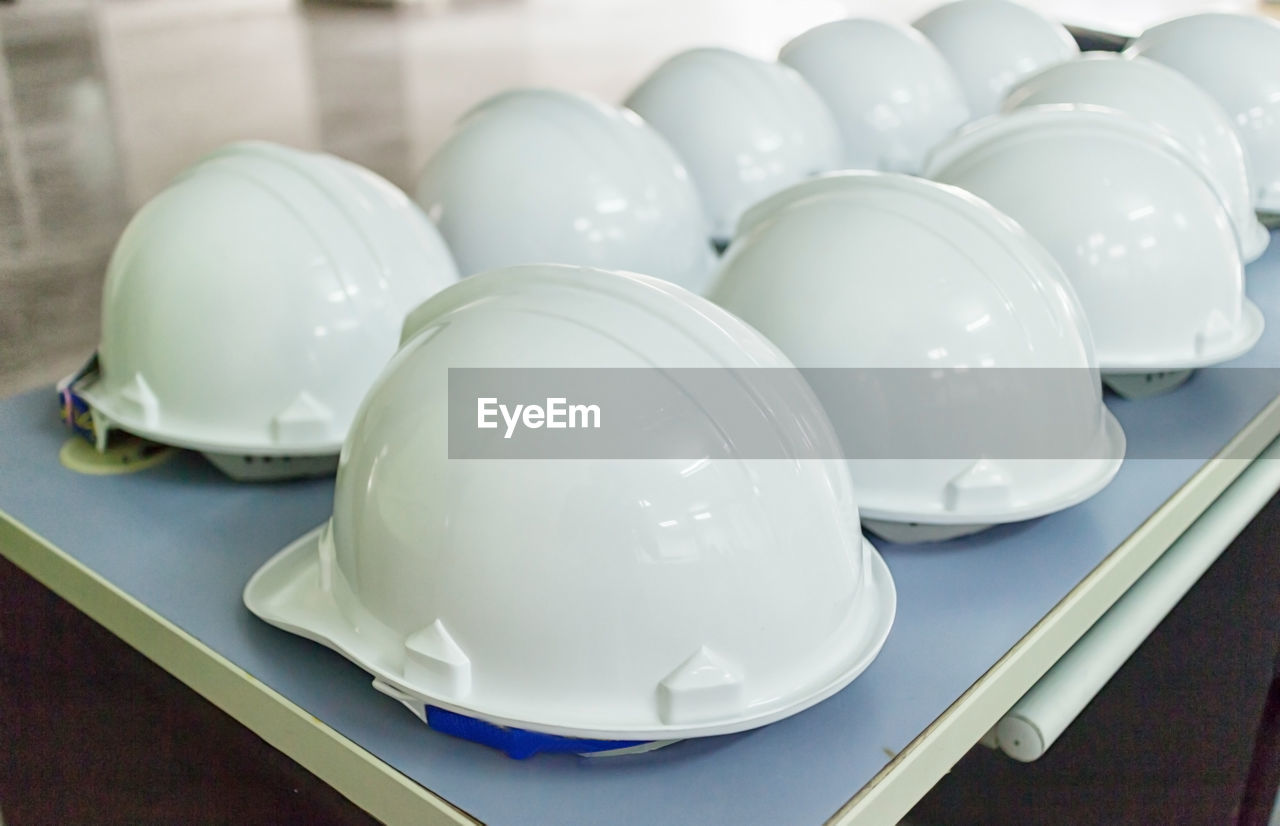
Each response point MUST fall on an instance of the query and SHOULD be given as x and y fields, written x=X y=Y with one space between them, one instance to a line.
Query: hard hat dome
x=543 y=176
x=1236 y=59
x=992 y=44
x=892 y=93
x=907 y=286
x=1135 y=224
x=745 y=128
x=250 y=304
x=1167 y=99
x=591 y=598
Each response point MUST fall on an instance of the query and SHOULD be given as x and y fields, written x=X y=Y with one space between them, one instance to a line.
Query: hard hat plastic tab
x=138 y=400
x=1216 y=333
x=434 y=663
x=304 y=420
x=984 y=485
x=703 y=687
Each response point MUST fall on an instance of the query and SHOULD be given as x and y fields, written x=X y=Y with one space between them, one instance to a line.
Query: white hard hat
x=906 y=286
x=1236 y=59
x=893 y=94
x=745 y=128
x=1134 y=221
x=1168 y=100
x=596 y=599
x=992 y=44
x=542 y=176
x=249 y=306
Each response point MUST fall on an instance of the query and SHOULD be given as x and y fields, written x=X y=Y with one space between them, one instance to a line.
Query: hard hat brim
x=287 y=592
x=1094 y=475
x=103 y=406
x=1257 y=242
x=1246 y=335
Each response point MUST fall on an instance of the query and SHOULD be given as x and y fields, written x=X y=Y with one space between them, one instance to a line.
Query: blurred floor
x=61 y=200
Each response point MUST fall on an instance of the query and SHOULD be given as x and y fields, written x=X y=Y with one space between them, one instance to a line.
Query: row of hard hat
x=853 y=94
x=249 y=307
x=588 y=606
x=1102 y=158
x=1132 y=208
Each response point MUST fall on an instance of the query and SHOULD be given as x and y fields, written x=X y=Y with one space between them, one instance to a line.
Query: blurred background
x=103 y=101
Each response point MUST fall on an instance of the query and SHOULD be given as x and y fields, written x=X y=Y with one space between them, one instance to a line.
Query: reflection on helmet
x=907 y=286
x=249 y=306
x=893 y=94
x=1165 y=99
x=602 y=600
x=1236 y=59
x=1134 y=222
x=744 y=128
x=992 y=44
x=542 y=176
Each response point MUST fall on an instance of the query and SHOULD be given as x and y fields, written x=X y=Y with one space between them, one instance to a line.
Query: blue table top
x=183 y=539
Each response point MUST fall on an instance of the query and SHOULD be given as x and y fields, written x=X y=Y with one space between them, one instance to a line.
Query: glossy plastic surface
x=1134 y=222
x=744 y=128
x=911 y=282
x=892 y=93
x=641 y=599
x=543 y=176
x=250 y=305
x=1236 y=59
x=1166 y=99
x=992 y=44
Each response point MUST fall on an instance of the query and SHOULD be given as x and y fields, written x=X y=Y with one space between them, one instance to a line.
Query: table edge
x=355 y=773
x=905 y=779
x=393 y=798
